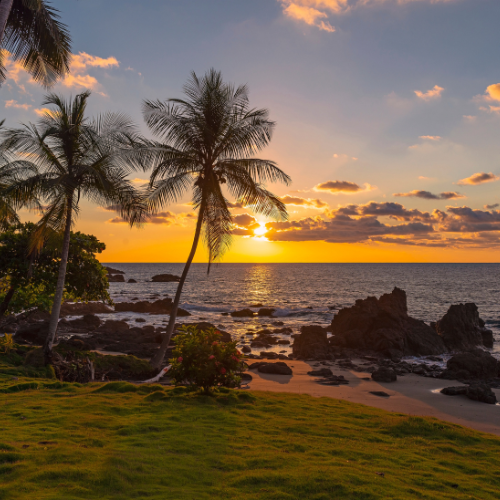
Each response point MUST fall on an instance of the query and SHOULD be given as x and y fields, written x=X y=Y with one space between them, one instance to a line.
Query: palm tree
x=208 y=140
x=75 y=157
x=31 y=31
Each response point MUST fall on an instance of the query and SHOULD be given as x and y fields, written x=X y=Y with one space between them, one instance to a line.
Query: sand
x=411 y=394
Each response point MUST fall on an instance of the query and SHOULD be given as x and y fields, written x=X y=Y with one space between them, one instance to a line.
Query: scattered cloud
x=427 y=195
x=470 y=118
x=430 y=137
x=236 y=204
x=424 y=178
x=79 y=66
x=139 y=181
x=14 y=104
x=434 y=93
x=493 y=92
x=343 y=187
x=166 y=218
x=303 y=202
x=245 y=224
x=309 y=15
x=479 y=178
x=491 y=207
x=344 y=157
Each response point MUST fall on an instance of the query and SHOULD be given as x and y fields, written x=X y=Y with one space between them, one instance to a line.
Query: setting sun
x=261 y=230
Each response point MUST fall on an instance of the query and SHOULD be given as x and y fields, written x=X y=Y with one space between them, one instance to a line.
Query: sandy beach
x=411 y=394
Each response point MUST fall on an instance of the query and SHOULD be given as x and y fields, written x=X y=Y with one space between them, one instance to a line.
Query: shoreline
x=410 y=395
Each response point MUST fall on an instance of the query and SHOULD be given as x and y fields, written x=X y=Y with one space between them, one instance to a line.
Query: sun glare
x=260 y=231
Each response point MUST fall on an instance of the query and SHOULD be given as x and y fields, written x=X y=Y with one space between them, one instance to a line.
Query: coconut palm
x=75 y=158
x=31 y=32
x=206 y=141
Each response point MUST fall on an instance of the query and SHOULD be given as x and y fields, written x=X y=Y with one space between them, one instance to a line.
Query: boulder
x=322 y=372
x=88 y=322
x=461 y=328
x=385 y=374
x=246 y=349
x=131 y=280
x=482 y=393
x=112 y=326
x=265 y=311
x=82 y=308
x=116 y=278
x=113 y=271
x=33 y=333
x=383 y=325
x=454 y=391
x=312 y=343
x=475 y=364
x=278 y=368
x=244 y=313
x=165 y=278
x=161 y=306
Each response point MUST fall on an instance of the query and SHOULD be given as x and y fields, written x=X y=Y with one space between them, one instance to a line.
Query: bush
x=200 y=358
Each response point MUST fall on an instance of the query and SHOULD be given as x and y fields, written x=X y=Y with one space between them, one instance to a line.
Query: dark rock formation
x=333 y=380
x=385 y=374
x=322 y=372
x=89 y=322
x=482 y=393
x=165 y=278
x=454 y=391
x=244 y=313
x=81 y=308
x=475 y=364
x=312 y=343
x=116 y=278
x=113 y=271
x=461 y=328
x=278 y=368
x=246 y=349
x=266 y=311
x=131 y=280
x=33 y=333
x=161 y=306
x=383 y=325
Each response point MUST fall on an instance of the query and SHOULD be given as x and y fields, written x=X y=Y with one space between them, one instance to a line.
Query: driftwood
x=72 y=369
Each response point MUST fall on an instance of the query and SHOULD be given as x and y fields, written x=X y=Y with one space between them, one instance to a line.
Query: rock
x=113 y=271
x=131 y=280
x=384 y=374
x=278 y=368
x=140 y=320
x=116 y=278
x=244 y=313
x=88 y=322
x=283 y=342
x=246 y=377
x=269 y=355
x=380 y=394
x=204 y=325
x=312 y=343
x=34 y=333
x=383 y=325
x=454 y=391
x=461 y=328
x=77 y=344
x=482 y=393
x=246 y=349
x=111 y=326
x=82 y=308
x=333 y=380
x=277 y=323
x=265 y=311
x=165 y=278
x=322 y=372
x=161 y=306
x=475 y=364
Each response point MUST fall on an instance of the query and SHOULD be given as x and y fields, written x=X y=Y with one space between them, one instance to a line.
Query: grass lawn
x=65 y=441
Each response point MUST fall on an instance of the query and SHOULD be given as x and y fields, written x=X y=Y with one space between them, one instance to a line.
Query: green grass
x=119 y=441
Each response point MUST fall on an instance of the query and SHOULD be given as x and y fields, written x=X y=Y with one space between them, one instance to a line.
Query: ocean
x=305 y=294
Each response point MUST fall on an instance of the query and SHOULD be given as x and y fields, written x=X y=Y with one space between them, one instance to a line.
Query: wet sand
x=411 y=394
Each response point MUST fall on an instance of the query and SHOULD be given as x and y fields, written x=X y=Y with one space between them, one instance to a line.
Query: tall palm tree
x=209 y=140
x=75 y=157
x=31 y=31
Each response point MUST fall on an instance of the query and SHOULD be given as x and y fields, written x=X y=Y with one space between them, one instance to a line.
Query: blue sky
x=389 y=95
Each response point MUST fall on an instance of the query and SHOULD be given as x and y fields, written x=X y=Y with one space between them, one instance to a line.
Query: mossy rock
x=35 y=358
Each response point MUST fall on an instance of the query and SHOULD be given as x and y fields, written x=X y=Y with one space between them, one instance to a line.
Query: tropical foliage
x=207 y=144
x=202 y=359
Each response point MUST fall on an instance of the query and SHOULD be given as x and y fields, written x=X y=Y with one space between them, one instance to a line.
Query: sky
x=387 y=112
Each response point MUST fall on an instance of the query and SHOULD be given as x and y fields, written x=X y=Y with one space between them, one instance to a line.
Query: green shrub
x=201 y=359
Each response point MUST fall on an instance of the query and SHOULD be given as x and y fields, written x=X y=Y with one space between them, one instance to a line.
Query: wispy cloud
x=14 y=104
x=430 y=137
x=303 y=202
x=343 y=187
x=479 y=178
x=307 y=14
x=434 y=93
x=427 y=195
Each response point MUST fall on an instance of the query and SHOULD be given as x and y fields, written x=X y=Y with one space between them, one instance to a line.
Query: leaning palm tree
x=31 y=32
x=75 y=158
x=208 y=140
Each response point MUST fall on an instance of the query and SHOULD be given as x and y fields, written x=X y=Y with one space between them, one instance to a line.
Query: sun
x=261 y=230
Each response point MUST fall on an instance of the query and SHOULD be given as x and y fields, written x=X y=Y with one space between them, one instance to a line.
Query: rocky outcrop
x=162 y=306
x=476 y=392
x=81 y=308
x=266 y=311
x=113 y=271
x=312 y=343
x=131 y=280
x=117 y=278
x=32 y=333
x=461 y=328
x=243 y=313
x=475 y=364
x=87 y=323
x=165 y=278
x=385 y=374
x=278 y=368
x=383 y=325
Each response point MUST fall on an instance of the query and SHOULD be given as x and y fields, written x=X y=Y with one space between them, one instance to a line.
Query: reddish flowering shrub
x=203 y=360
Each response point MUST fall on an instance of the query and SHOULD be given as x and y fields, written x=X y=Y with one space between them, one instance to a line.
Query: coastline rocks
x=243 y=313
x=383 y=325
x=475 y=364
x=385 y=374
x=82 y=308
x=266 y=311
x=161 y=306
x=113 y=271
x=476 y=392
x=322 y=372
x=33 y=333
x=87 y=323
x=461 y=328
x=312 y=342
x=131 y=280
x=245 y=349
x=165 y=278
x=278 y=368
x=118 y=278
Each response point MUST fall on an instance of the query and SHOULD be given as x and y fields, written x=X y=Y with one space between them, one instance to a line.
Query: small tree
x=202 y=359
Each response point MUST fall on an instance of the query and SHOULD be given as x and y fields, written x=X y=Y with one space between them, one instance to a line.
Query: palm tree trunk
x=157 y=360
x=5 y=8
x=6 y=301
x=61 y=278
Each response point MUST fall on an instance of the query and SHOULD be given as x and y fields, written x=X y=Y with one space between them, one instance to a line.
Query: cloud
x=244 y=225
x=42 y=111
x=426 y=195
x=491 y=207
x=166 y=218
x=139 y=181
x=430 y=137
x=434 y=93
x=309 y=15
x=236 y=204
x=14 y=104
x=343 y=187
x=303 y=202
x=493 y=92
x=479 y=178
x=80 y=63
